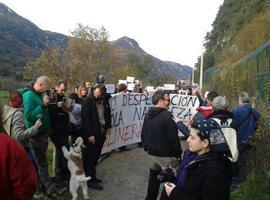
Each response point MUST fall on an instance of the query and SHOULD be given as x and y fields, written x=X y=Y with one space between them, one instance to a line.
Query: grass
x=3 y=97
x=254 y=189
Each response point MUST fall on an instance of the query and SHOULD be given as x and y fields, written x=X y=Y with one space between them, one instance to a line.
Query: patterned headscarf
x=209 y=129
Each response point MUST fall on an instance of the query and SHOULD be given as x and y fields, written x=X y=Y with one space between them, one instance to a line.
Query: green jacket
x=32 y=106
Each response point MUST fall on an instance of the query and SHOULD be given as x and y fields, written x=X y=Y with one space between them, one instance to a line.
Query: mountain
x=21 y=40
x=127 y=46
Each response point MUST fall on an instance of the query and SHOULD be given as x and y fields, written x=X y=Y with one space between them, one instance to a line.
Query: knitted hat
x=15 y=99
x=220 y=103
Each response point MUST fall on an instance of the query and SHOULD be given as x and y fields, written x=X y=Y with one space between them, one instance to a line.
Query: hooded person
x=204 y=172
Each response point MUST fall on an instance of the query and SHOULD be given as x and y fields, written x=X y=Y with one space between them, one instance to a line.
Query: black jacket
x=90 y=118
x=59 y=118
x=160 y=134
x=208 y=179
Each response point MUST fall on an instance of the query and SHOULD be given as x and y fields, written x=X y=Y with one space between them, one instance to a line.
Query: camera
x=40 y=116
x=52 y=95
x=166 y=175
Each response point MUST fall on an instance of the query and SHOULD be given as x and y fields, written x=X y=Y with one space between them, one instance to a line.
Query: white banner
x=150 y=88
x=169 y=87
x=184 y=106
x=122 y=82
x=130 y=79
x=129 y=110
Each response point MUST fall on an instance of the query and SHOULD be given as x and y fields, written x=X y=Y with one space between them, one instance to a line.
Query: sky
x=171 y=30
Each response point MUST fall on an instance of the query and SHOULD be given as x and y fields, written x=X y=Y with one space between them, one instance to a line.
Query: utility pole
x=192 y=78
x=201 y=72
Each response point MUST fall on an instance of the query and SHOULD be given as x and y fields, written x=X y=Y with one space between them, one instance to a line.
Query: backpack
x=230 y=136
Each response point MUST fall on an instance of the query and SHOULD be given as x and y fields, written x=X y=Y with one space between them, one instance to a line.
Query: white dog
x=75 y=166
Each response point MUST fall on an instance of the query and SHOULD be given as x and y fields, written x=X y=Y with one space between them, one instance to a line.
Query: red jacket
x=17 y=174
x=206 y=110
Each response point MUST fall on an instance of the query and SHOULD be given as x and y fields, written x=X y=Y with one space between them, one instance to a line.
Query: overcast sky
x=168 y=29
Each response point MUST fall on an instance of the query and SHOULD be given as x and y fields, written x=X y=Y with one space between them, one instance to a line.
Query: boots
x=153 y=185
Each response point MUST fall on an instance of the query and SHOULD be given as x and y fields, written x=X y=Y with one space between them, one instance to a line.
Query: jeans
x=39 y=147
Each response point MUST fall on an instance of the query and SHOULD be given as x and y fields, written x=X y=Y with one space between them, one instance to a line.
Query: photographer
x=35 y=103
x=204 y=172
x=59 y=133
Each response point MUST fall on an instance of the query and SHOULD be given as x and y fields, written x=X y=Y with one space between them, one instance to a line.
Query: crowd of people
x=206 y=170
x=34 y=114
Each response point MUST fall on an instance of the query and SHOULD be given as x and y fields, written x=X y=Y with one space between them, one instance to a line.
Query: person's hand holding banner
x=176 y=119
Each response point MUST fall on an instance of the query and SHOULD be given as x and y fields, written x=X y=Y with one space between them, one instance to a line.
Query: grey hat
x=220 y=103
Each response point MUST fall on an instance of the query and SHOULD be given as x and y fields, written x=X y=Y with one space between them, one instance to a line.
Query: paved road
x=124 y=175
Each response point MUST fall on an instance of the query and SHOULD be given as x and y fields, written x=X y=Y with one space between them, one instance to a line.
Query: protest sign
x=130 y=79
x=122 y=82
x=110 y=88
x=129 y=110
x=184 y=106
x=130 y=86
x=150 y=88
x=169 y=87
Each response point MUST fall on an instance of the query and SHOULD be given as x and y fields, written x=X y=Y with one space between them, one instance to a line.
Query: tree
x=87 y=55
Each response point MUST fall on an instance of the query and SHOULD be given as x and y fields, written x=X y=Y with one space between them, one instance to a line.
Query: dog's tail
x=83 y=178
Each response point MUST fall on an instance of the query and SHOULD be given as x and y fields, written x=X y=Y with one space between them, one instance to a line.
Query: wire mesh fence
x=250 y=74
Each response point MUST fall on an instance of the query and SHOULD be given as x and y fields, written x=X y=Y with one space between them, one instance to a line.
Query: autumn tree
x=87 y=55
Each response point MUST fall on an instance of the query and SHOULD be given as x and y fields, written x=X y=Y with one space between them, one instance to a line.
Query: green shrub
x=254 y=189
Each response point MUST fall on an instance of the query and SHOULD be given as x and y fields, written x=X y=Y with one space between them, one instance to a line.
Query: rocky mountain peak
x=126 y=43
x=6 y=10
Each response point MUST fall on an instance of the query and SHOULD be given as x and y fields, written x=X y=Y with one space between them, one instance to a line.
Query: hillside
x=21 y=40
x=239 y=28
x=127 y=46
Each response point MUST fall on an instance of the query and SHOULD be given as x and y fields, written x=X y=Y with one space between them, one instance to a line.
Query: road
x=124 y=175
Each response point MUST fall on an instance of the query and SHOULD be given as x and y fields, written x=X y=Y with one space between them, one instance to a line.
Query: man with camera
x=35 y=104
x=59 y=119
x=160 y=139
x=96 y=120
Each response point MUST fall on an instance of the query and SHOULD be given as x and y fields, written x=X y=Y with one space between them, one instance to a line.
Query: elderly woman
x=204 y=174
x=13 y=120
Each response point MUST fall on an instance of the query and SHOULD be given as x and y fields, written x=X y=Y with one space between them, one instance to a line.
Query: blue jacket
x=245 y=120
